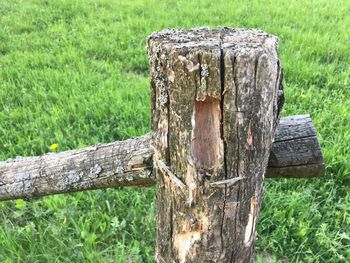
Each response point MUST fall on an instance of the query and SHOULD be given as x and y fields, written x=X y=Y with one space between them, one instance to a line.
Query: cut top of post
x=240 y=41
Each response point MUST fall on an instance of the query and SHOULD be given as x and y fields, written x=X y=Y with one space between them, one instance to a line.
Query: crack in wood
x=296 y=138
x=223 y=183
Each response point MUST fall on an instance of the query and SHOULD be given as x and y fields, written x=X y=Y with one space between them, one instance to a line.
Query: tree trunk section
x=215 y=104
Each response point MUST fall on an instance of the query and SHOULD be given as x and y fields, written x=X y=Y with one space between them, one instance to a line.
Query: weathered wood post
x=215 y=105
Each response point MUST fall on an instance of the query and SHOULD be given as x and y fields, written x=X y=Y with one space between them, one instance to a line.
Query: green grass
x=76 y=73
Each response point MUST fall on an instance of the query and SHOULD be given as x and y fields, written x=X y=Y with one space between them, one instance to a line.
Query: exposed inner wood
x=206 y=145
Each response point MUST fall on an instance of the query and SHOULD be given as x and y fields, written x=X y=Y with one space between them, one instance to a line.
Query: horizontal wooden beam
x=122 y=163
x=295 y=153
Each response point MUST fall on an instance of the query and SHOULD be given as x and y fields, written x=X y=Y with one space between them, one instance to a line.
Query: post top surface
x=237 y=39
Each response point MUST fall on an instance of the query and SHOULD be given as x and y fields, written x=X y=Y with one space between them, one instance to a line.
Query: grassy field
x=75 y=73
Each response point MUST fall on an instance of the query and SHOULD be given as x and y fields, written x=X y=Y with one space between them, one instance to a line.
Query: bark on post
x=214 y=112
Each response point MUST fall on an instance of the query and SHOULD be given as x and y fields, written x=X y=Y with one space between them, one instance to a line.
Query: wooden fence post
x=215 y=103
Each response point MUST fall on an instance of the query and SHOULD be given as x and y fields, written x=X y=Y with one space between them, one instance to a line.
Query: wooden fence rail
x=295 y=153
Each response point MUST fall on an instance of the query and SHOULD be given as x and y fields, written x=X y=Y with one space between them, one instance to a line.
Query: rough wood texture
x=125 y=163
x=57 y=172
x=296 y=151
x=215 y=104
